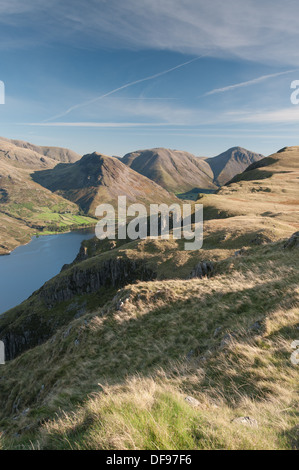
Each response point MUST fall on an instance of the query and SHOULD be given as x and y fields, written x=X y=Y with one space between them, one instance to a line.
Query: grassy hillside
x=120 y=375
x=268 y=193
x=127 y=349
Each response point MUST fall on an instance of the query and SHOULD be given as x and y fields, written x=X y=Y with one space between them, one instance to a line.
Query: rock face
x=192 y=401
x=28 y=329
x=293 y=241
x=115 y=272
x=20 y=340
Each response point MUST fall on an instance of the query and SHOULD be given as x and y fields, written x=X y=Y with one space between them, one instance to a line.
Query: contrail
x=127 y=85
x=248 y=83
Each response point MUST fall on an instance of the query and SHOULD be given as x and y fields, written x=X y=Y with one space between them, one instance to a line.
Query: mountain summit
x=96 y=179
x=232 y=162
x=174 y=170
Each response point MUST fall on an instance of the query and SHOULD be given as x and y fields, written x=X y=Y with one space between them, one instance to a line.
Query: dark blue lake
x=28 y=267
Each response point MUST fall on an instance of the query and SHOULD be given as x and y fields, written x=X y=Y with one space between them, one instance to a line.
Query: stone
x=240 y=252
x=246 y=421
x=192 y=401
x=190 y=354
x=67 y=332
x=227 y=340
x=217 y=331
x=256 y=327
x=119 y=305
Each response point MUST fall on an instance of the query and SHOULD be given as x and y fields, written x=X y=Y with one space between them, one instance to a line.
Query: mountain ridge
x=181 y=172
x=59 y=154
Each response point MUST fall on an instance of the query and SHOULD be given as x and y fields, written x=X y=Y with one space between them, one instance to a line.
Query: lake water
x=28 y=267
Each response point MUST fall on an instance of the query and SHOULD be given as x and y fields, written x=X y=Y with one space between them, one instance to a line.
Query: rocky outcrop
x=81 y=256
x=21 y=339
x=115 y=272
x=27 y=329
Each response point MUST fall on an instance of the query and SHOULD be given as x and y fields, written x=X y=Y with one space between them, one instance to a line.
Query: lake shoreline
x=43 y=234
x=32 y=264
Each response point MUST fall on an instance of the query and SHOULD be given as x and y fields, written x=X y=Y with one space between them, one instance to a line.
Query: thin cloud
x=247 y=83
x=191 y=26
x=100 y=124
x=284 y=115
x=123 y=87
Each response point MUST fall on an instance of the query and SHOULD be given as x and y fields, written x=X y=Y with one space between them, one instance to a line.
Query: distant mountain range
x=22 y=157
x=181 y=172
x=45 y=188
x=56 y=153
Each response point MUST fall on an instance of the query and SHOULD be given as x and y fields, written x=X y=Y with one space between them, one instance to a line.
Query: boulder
x=292 y=242
x=202 y=269
x=192 y=401
x=246 y=421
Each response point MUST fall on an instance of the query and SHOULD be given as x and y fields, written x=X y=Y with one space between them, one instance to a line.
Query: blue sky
x=117 y=76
